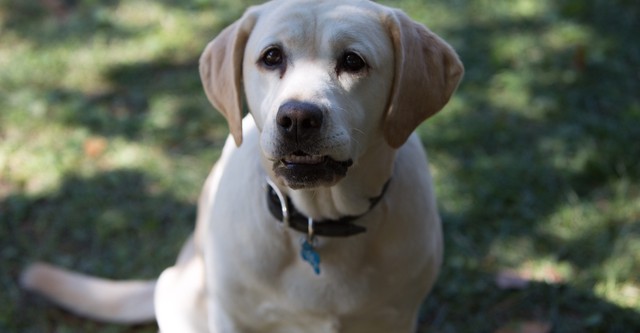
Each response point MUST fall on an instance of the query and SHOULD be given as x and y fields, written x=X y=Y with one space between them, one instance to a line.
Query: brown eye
x=352 y=62
x=272 y=57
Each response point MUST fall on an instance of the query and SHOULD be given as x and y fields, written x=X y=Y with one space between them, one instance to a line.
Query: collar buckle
x=283 y=202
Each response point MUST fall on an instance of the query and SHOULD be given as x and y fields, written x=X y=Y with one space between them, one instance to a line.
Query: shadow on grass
x=563 y=307
x=50 y=22
x=545 y=124
x=116 y=225
x=161 y=102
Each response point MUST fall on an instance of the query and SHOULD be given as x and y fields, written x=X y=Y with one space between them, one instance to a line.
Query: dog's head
x=326 y=80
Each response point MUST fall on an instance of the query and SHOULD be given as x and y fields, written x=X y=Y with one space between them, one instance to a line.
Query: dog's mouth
x=301 y=158
x=302 y=170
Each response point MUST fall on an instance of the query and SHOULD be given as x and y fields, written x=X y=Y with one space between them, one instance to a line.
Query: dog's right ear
x=221 y=71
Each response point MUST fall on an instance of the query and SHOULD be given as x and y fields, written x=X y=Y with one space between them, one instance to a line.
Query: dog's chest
x=274 y=315
x=344 y=297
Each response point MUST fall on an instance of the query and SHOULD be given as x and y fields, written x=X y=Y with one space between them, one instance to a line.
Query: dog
x=320 y=214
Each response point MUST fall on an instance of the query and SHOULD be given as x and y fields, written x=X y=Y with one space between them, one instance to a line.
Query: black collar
x=280 y=206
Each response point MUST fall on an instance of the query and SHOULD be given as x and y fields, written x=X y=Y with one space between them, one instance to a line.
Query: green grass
x=106 y=138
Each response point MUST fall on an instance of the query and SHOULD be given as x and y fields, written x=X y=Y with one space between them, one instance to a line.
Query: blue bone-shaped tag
x=310 y=255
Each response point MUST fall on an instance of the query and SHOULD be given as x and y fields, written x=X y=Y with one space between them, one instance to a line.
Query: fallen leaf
x=94 y=147
x=580 y=58
x=59 y=8
x=551 y=274
x=526 y=327
x=511 y=280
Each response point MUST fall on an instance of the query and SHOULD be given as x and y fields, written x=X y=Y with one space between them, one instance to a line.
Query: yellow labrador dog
x=320 y=214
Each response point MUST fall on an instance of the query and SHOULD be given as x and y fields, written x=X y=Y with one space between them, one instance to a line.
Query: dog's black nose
x=299 y=120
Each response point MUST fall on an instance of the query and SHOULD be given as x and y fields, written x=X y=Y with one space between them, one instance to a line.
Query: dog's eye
x=272 y=57
x=352 y=62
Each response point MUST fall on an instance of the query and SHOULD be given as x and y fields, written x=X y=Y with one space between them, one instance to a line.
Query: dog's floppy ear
x=427 y=72
x=221 y=71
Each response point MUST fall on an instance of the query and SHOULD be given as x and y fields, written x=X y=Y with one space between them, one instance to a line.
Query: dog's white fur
x=241 y=272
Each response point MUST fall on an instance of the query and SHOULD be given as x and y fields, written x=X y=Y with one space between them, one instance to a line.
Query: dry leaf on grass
x=94 y=147
x=511 y=280
x=525 y=327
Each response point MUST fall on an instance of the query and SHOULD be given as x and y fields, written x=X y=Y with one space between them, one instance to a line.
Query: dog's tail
x=127 y=302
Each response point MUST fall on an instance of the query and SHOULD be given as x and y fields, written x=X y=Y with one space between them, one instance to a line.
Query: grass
x=106 y=138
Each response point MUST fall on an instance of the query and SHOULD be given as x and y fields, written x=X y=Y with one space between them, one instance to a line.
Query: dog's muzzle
x=300 y=127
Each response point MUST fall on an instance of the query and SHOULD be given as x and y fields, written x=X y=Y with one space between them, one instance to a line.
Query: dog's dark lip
x=302 y=170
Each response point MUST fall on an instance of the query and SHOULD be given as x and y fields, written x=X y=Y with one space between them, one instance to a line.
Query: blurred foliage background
x=106 y=138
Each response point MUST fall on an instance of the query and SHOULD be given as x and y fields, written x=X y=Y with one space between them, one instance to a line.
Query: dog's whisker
x=359 y=131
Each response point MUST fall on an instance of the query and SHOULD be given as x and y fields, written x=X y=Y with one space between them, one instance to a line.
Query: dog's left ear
x=221 y=71
x=427 y=72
